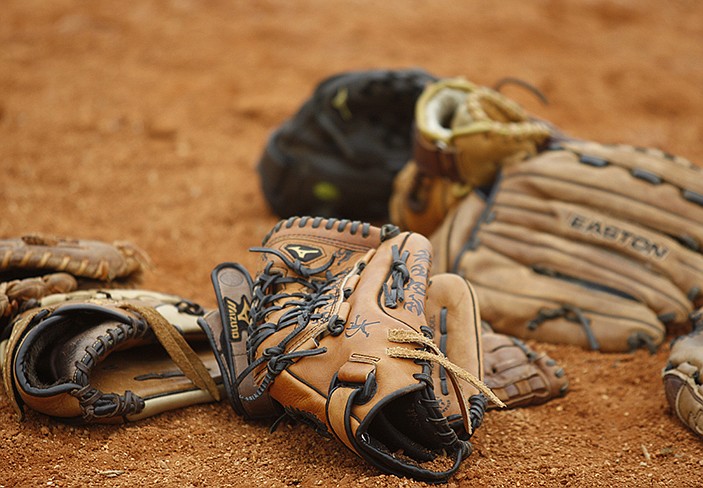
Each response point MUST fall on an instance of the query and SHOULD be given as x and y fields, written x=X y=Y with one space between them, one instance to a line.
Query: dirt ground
x=145 y=120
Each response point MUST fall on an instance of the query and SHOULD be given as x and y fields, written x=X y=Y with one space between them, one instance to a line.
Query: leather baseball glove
x=108 y=356
x=682 y=377
x=584 y=244
x=466 y=132
x=420 y=202
x=337 y=156
x=33 y=266
x=463 y=134
x=342 y=337
x=517 y=374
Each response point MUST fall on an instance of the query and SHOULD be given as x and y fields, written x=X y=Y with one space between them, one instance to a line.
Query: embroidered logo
x=339 y=102
x=303 y=253
x=238 y=314
x=357 y=326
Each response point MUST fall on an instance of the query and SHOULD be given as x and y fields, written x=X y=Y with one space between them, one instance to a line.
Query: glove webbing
x=484 y=98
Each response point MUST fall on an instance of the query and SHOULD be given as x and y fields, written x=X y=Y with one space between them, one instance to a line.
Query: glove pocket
x=84 y=362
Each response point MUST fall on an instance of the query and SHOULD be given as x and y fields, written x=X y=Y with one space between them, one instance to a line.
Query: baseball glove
x=338 y=155
x=583 y=244
x=463 y=134
x=517 y=374
x=340 y=339
x=682 y=377
x=33 y=266
x=108 y=356
x=420 y=202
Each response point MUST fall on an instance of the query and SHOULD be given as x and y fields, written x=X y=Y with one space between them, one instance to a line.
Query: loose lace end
x=403 y=336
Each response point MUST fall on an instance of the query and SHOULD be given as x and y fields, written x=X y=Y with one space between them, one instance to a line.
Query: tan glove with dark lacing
x=341 y=338
x=586 y=244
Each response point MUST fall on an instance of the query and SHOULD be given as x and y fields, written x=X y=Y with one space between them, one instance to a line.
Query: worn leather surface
x=454 y=316
x=583 y=244
x=519 y=375
x=324 y=373
x=36 y=265
x=85 y=258
x=47 y=360
x=419 y=202
x=682 y=380
x=465 y=132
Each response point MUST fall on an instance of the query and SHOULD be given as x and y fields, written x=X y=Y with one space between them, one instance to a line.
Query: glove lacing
x=302 y=308
x=435 y=356
x=406 y=336
x=399 y=277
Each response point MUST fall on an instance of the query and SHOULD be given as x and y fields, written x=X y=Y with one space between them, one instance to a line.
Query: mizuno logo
x=238 y=314
x=303 y=253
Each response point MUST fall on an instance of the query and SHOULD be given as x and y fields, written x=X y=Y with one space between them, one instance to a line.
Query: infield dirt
x=145 y=120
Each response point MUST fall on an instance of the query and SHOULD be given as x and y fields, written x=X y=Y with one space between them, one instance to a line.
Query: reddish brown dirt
x=144 y=121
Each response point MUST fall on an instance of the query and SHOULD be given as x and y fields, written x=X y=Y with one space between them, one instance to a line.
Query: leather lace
x=570 y=313
x=434 y=355
x=94 y=403
x=399 y=277
x=300 y=307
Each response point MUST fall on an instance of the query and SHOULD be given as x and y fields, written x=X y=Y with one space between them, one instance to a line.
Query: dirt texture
x=144 y=121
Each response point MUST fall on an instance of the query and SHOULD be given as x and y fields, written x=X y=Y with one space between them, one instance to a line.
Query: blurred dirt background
x=144 y=120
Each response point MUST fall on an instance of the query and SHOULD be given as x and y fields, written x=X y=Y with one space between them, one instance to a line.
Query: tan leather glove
x=34 y=265
x=342 y=338
x=584 y=244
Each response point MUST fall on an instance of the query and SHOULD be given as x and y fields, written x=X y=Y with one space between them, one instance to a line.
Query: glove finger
x=493 y=341
x=639 y=184
x=227 y=329
x=454 y=317
x=30 y=255
x=39 y=287
x=455 y=233
x=643 y=185
x=521 y=303
x=591 y=266
x=619 y=232
x=498 y=359
x=518 y=375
